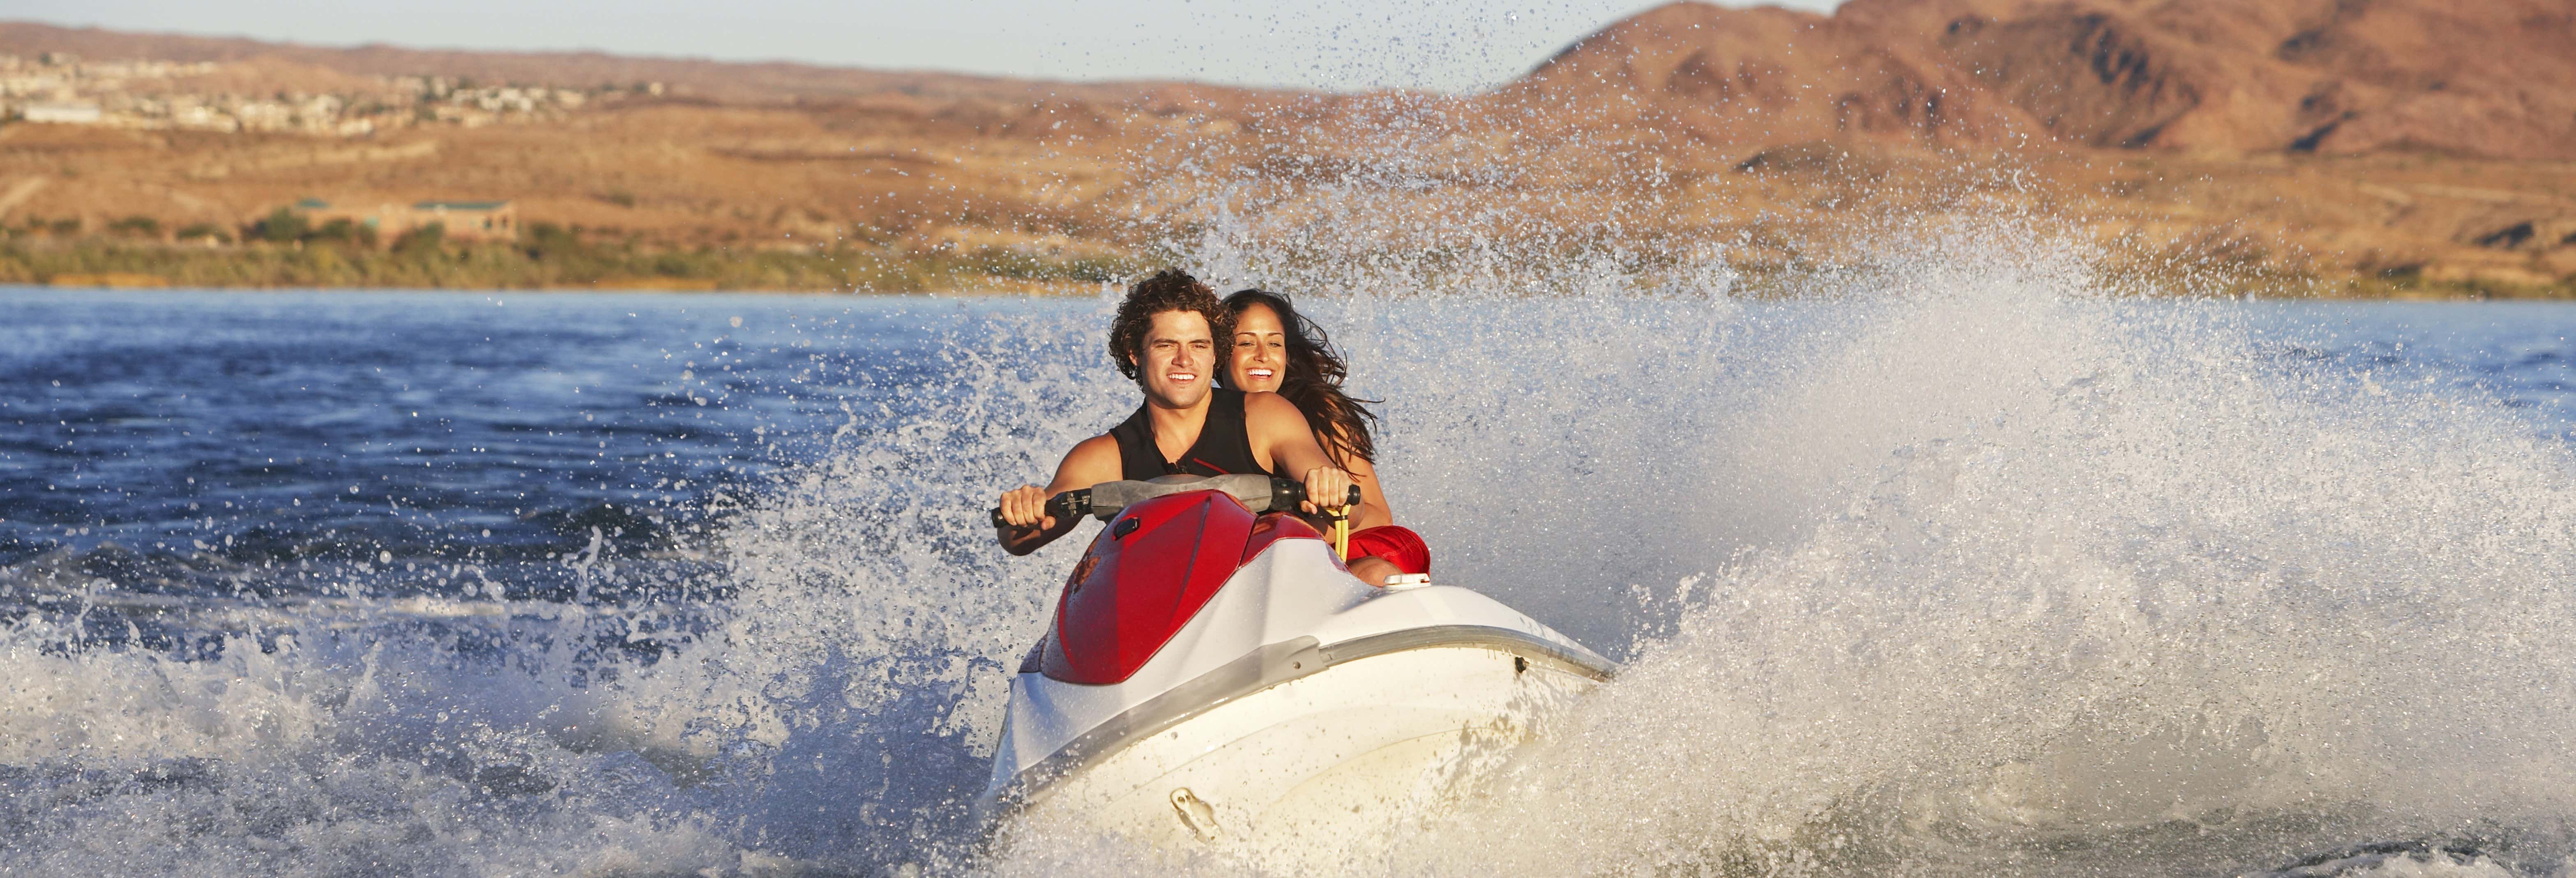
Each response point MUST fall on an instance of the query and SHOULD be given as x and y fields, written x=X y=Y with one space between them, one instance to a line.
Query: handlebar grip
x=1285 y=494
x=1064 y=507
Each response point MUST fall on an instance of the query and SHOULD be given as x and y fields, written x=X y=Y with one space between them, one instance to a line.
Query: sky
x=1447 y=45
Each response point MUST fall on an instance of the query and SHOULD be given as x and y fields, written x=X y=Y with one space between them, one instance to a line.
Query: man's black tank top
x=1223 y=447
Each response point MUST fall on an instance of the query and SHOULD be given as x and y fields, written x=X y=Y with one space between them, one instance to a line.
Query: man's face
x=1180 y=357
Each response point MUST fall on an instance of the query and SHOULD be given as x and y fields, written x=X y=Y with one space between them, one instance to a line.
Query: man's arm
x=1026 y=525
x=1278 y=434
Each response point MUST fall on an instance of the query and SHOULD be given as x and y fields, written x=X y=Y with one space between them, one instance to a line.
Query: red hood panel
x=1275 y=526
x=1149 y=571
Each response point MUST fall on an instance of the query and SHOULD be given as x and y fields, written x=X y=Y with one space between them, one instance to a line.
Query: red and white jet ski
x=1215 y=678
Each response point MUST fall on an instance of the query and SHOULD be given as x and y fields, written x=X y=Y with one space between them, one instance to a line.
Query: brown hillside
x=1759 y=76
x=2495 y=78
x=2373 y=146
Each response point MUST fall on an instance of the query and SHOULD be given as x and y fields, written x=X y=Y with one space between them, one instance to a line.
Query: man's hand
x=1326 y=488
x=1024 y=508
x=1026 y=524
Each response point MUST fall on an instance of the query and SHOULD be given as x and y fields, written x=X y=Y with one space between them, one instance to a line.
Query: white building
x=69 y=113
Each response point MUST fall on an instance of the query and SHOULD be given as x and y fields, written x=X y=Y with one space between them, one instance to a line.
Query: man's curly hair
x=1168 y=290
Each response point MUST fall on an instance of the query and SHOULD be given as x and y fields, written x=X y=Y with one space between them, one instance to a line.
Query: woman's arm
x=1373 y=511
x=1282 y=444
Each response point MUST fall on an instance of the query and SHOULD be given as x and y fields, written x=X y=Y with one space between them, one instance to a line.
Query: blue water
x=383 y=429
x=334 y=425
x=510 y=501
x=2513 y=352
x=292 y=445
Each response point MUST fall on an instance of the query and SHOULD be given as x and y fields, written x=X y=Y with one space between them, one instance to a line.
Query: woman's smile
x=1260 y=351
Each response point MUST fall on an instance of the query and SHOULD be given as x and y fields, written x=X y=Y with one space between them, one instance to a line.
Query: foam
x=1960 y=565
x=2022 y=578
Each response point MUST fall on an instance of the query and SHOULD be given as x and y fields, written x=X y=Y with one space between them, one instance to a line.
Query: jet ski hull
x=1283 y=713
x=1304 y=769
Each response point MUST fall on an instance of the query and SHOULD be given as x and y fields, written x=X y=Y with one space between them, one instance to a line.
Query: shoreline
x=569 y=264
x=1069 y=291
x=564 y=264
x=2444 y=293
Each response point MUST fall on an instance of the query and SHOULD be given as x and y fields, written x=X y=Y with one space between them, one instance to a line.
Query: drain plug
x=1195 y=813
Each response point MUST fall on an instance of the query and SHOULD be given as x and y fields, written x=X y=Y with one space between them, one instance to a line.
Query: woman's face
x=1260 y=360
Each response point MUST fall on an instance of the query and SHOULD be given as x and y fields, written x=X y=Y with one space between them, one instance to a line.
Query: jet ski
x=1216 y=679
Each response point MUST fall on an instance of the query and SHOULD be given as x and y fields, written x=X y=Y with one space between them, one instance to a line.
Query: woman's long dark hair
x=1314 y=380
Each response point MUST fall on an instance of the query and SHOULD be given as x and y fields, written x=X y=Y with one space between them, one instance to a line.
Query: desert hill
x=2495 y=78
x=2362 y=146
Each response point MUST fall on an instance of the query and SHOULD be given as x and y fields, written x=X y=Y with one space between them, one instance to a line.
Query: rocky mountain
x=2492 y=78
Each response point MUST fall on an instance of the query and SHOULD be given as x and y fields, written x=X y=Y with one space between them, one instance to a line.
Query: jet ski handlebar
x=1105 y=500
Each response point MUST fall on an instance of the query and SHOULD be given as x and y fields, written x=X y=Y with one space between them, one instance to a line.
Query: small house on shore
x=461 y=220
x=471 y=220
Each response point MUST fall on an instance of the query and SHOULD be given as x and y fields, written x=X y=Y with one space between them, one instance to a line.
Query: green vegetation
x=2257 y=282
x=283 y=226
x=136 y=226
x=205 y=232
x=2416 y=287
x=282 y=250
x=421 y=242
x=342 y=231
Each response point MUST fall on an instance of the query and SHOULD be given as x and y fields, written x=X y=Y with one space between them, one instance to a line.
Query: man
x=1164 y=337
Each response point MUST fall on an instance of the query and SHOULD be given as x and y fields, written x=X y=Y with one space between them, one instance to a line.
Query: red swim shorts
x=1399 y=546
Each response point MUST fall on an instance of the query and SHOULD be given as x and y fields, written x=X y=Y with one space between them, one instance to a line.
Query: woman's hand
x=1024 y=508
x=1326 y=488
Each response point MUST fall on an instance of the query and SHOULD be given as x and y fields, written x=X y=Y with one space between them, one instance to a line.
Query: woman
x=1276 y=350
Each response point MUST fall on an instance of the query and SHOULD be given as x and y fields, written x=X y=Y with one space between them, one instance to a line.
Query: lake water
x=1975 y=577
